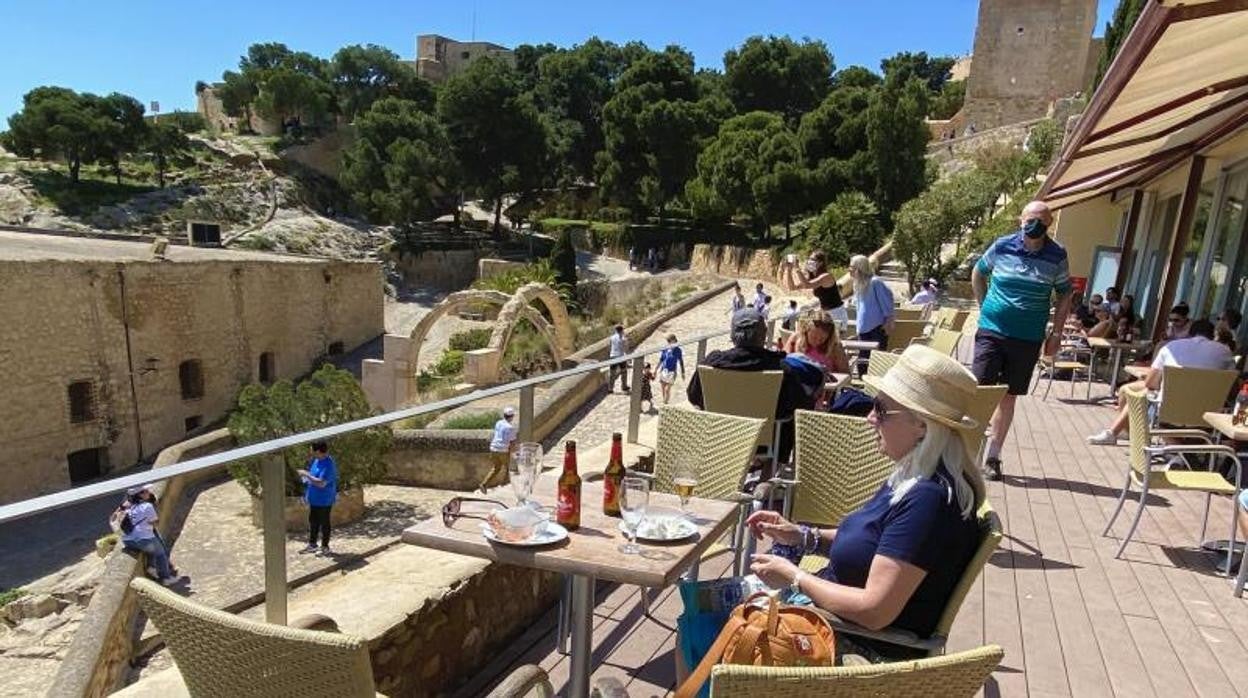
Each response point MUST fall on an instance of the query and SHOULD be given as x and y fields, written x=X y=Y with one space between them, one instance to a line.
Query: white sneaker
x=1104 y=437
x=307 y=549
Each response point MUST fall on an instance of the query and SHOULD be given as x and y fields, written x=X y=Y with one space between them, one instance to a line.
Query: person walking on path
x=1029 y=274
x=501 y=446
x=823 y=285
x=738 y=300
x=139 y=515
x=669 y=359
x=618 y=348
x=760 y=297
x=875 y=304
x=321 y=482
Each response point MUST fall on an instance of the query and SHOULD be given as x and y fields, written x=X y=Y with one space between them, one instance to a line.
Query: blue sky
x=157 y=50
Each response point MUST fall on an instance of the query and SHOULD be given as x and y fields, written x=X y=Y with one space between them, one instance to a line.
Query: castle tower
x=1027 y=54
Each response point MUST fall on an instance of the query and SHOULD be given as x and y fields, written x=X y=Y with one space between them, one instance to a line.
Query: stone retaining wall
x=449 y=639
x=99 y=657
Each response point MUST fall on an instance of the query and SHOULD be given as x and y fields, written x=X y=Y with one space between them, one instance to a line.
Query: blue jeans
x=156 y=554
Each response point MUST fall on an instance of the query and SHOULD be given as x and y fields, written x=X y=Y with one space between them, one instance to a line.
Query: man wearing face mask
x=1016 y=282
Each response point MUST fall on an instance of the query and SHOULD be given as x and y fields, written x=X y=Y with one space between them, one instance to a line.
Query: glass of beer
x=685 y=479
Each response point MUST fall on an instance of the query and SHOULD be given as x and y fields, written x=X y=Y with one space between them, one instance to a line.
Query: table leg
x=1091 y=373
x=1113 y=377
x=582 y=623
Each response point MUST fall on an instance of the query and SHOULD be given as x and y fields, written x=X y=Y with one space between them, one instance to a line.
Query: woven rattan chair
x=837 y=468
x=987 y=397
x=904 y=332
x=1144 y=472
x=957 y=322
x=221 y=654
x=745 y=394
x=878 y=365
x=952 y=676
x=942 y=340
x=1195 y=392
x=911 y=312
x=990 y=537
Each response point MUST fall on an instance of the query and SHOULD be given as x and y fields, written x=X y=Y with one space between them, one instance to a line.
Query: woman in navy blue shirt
x=895 y=562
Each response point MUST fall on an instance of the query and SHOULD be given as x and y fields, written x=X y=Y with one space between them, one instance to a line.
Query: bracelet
x=795 y=587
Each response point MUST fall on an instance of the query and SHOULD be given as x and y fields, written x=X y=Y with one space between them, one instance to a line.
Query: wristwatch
x=795 y=587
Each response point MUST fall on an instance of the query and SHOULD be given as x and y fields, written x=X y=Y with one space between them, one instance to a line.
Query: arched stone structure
x=521 y=305
x=453 y=302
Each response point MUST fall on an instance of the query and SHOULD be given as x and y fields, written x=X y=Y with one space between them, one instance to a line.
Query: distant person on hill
x=815 y=276
x=765 y=311
x=927 y=293
x=738 y=299
x=321 y=482
x=760 y=297
x=501 y=446
x=137 y=519
x=618 y=346
x=1016 y=282
x=670 y=359
x=790 y=316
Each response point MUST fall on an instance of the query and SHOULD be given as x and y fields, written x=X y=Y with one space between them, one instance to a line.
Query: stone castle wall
x=1027 y=54
x=126 y=328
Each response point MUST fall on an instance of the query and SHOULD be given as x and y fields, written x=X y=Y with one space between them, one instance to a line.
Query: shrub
x=8 y=596
x=1042 y=142
x=450 y=363
x=478 y=420
x=470 y=340
x=540 y=271
x=329 y=396
x=849 y=225
x=563 y=259
x=186 y=121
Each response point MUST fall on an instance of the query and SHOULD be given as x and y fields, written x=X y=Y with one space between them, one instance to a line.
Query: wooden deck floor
x=1073 y=620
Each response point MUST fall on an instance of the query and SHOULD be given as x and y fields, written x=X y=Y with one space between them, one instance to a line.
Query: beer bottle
x=568 y=512
x=613 y=477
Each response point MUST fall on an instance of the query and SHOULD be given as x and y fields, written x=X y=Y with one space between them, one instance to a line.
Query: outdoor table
x=588 y=554
x=835 y=381
x=1221 y=422
x=1115 y=349
x=860 y=345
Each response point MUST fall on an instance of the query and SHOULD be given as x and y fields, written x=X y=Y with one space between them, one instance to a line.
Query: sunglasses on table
x=881 y=410
x=453 y=510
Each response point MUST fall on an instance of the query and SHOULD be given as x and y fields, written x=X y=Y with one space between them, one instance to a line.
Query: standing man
x=1028 y=274
x=619 y=347
x=501 y=446
x=321 y=481
x=760 y=297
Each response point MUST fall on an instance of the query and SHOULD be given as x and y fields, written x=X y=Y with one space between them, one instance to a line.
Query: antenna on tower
x=474 y=20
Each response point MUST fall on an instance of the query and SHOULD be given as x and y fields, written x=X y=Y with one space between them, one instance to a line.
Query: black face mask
x=1034 y=228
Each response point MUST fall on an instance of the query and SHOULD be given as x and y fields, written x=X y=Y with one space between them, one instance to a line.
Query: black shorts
x=1004 y=360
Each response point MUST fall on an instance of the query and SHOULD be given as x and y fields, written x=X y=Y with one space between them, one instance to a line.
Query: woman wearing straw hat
x=896 y=561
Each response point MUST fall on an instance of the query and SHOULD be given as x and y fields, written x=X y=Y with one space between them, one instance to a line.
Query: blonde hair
x=819 y=319
x=861 y=273
x=940 y=445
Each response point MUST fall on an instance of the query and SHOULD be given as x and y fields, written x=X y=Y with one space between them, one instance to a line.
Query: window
x=268 y=368
x=81 y=402
x=335 y=348
x=465 y=55
x=191 y=378
x=192 y=423
x=87 y=464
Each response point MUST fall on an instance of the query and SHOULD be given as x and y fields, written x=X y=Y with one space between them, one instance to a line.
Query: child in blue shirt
x=321 y=480
x=669 y=360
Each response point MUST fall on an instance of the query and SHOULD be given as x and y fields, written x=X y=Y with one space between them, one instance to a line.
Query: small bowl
x=517 y=523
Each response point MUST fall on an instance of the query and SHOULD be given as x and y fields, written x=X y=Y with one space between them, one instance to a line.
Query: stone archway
x=453 y=302
x=562 y=339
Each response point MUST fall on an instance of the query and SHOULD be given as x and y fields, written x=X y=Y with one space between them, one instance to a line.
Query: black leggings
x=318 y=522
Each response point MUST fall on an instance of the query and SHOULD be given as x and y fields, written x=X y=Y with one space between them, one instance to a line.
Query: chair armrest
x=316 y=621
x=905 y=638
x=1207 y=449
x=784 y=482
x=522 y=681
x=1184 y=433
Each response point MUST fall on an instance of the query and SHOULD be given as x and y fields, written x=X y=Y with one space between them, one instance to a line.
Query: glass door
x=1225 y=239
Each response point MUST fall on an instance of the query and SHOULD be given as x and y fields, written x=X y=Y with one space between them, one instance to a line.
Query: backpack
x=852 y=402
x=768 y=635
x=120 y=521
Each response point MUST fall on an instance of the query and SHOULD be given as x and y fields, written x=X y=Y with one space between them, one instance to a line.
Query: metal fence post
x=524 y=429
x=771 y=331
x=273 y=492
x=634 y=399
x=701 y=350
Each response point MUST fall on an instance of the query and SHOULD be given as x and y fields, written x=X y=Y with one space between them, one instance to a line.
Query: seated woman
x=1105 y=326
x=817 y=337
x=896 y=561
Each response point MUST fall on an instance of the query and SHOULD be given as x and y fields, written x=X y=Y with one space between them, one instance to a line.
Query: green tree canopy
x=495 y=130
x=126 y=130
x=849 y=225
x=401 y=164
x=528 y=58
x=897 y=141
x=932 y=71
x=329 y=396
x=1116 y=31
x=278 y=83
x=572 y=88
x=361 y=75
x=778 y=74
x=165 y=140
x=563 y=259
x=855 y=76
x=59 y=123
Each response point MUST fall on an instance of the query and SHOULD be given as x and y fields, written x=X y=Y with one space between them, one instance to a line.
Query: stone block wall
x=450 y=638
x=125 y=328
x=446 y=269
x=739 y=262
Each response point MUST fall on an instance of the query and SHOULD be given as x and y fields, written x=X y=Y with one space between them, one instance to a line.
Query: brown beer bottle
x=568 y=510
x=613 y=477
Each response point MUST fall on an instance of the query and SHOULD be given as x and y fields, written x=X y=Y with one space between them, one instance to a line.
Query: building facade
x=439 y=58
x=110 y=355
x=1027 y=54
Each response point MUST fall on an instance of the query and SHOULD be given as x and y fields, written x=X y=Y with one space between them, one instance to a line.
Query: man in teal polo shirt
x=1029 y=275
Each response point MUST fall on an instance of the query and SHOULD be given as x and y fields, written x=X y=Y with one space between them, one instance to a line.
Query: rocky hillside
x=263 y=201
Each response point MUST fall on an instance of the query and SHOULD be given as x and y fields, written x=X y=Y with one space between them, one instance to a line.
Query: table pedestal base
x=582 y=627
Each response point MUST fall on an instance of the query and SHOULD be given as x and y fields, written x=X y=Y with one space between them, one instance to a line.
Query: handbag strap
x=736 y=625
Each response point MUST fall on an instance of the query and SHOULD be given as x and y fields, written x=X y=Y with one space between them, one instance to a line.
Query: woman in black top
x=822 y=283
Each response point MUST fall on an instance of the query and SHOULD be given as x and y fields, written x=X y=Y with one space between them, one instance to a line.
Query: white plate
x=676 y=528
x=551 y=533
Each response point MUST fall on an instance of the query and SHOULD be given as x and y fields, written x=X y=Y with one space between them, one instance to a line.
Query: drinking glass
x=634 y=497
x=685 y=478
x=526 y=462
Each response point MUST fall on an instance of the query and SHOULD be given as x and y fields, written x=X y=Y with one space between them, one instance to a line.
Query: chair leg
x=564 y=628
x=1204 y=520
x=1230 y=550
x=1121 y=499
x=645 y=602
x=1134 y=522
x=1091 y=375
x=1049 y=387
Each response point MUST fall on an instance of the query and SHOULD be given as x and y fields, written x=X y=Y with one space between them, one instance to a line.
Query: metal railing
x=273 y=469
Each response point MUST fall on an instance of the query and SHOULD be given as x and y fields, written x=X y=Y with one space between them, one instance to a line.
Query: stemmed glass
x=685 y=478
x=634 y=497
x=526 y=461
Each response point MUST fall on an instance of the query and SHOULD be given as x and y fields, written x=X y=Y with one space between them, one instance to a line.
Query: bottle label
x=611 y=493
x=569 y=506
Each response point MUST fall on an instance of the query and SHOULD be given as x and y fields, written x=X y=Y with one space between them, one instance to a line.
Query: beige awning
x=1178 y=85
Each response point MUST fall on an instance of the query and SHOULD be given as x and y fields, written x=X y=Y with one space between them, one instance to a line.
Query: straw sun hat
x=931 y=384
